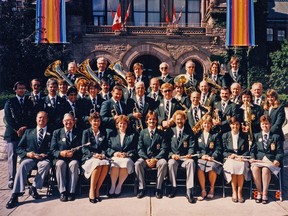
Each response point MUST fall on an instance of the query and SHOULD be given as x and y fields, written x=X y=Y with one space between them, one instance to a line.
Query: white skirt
x=237 y=168
x=91 y=164
x=123 y=163
x=267 y=163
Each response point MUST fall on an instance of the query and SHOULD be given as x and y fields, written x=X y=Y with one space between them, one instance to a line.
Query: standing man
x=155 y=92
x=235 y=75
x=138 y=71
x=152 y=150
x=103 y=72
x=18 y=112
x=235 y=93
x=192 y=84
x=33 y=150
x=257 y=92
x=112 y=108
x=105 y=92
x=165 y=76
x=66 y=160
x=63 y=88
x=72 y=68
x=54 y=105
x=129 y=92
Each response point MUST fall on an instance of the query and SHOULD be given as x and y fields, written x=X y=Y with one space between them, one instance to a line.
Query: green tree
x=20 y=57
x=278 y=78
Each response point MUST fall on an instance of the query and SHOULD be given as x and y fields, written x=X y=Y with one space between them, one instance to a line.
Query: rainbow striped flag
x=240 y=24
x=50 y=21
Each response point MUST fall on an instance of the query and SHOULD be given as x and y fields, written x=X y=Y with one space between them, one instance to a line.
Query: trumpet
x=114 y=111
x=138 y=122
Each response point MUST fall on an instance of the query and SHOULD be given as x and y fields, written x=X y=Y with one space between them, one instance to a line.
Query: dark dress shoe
x=71 y=197
x=159 y=194
x=63 y=197
x=110 y=195
x=10 y=185
x=12 y=202
x=190 y=198
x=141 y=194
x=264 y=200
x=93 y=200
x=33 y=192
x=98 y=199
x=172 y=192
x=117 y=195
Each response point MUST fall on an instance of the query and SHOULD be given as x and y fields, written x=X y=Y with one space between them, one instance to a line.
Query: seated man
x=33 y=149
x=152 y=150
x=63 y=144
x=182 y=148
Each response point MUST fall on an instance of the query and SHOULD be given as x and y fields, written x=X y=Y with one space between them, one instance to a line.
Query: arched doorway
x=150 y=63
x=198 y=70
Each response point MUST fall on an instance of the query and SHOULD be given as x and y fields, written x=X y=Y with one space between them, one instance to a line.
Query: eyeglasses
x=168 y=90
x=191 y=66
x=164 y=68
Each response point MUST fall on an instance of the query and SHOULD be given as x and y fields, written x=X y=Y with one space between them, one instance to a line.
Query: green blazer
x=156 y=148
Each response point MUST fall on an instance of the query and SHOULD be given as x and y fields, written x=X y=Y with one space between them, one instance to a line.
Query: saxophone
x=197 y=127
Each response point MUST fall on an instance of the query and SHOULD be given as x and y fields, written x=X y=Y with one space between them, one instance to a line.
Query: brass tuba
x=54 y=70
x=86 y=72
x=119 y=75
x=212 y=83
x=184 y=78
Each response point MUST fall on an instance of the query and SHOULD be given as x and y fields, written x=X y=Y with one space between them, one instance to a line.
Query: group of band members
x=157 y=123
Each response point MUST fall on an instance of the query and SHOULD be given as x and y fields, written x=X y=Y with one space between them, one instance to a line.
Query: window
x=269 y=32
x=146 y=12
x=281 y=35
x=190 y=12
x=102 y=11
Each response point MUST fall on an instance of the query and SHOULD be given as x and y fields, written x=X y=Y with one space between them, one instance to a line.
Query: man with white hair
x=165 y=76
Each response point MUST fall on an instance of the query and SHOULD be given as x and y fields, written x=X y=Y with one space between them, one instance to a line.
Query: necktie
x=40 y=136
x=151 y=134
x=202 y=99
x=68 y=141
x=53 y=101
x=118 y=107
x=179 y=136
x=214 y=78
x=223 y=107
x=234 y=76
x=100 y=75
x=167 y=110
x=21 y=101
x=141 y=105
x=94 y=102
x=196 y=114
x=257 y=101
x=191 y=81
x=130 y=93
x=138 y=79
x=64 y=97
x=154 y=96
x=105 y=97
x=265 y=141
x=36 y=99
x=74 y=109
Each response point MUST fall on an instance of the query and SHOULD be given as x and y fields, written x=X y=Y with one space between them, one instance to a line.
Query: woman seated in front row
x=267 y=152
x=94 y=164
x=122 y=150
x=210 y=157
x=236 y=151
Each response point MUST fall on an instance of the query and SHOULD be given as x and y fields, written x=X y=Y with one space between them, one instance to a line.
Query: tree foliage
x=20 y=57
x=278 y=78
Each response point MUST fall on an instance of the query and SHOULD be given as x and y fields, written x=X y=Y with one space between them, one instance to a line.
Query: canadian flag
x=127 y=15
x=117 y=19
x=174 y=16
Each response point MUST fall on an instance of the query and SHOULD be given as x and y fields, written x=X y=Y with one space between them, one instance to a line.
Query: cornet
x=114 y=111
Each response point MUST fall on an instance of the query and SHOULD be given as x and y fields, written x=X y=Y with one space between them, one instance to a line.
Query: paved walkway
x=149 y=206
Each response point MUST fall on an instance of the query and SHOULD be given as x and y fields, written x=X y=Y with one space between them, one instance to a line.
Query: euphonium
x=213 y=84
x=54 y=70
x=86 y=72
x=119 y=75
